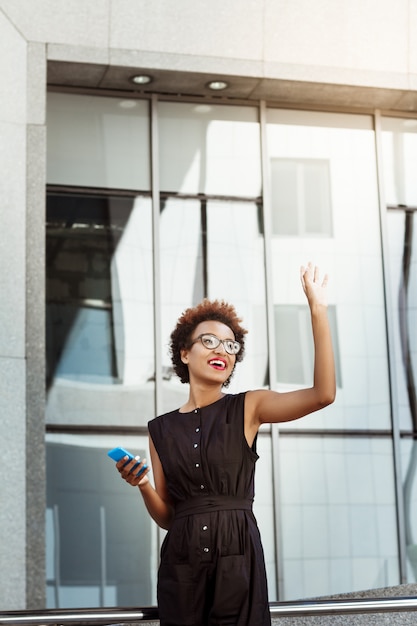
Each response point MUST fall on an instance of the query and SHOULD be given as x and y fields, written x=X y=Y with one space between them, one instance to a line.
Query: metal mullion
x=267 y=213
x=156 y=282
x=155 y=194
x=400 y=510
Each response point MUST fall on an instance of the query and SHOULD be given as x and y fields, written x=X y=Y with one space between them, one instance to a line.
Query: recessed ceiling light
x=410 y=123
x=217 y=85
x=203 y=108
x=127 y=104
x=141 y=79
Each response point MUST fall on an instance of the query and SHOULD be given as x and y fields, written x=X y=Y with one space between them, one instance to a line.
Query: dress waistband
x=209 y=504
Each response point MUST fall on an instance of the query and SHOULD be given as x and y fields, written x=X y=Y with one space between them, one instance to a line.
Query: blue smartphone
x=118 y=453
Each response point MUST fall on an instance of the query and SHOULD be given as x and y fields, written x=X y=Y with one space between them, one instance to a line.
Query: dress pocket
x=176 y=595
x=232 y=589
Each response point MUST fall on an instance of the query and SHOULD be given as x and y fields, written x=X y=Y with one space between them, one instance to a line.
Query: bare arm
x=157 y=501
x=263 y=406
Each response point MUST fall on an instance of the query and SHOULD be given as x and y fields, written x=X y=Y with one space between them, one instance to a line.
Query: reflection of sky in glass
x=399 y=144
x=97 y=142
x=213 y=149
x=87 y=353
x=132 y=268
x=232 y=257
x=351 y=256
x=93 y=557
x=337 y=497
x=83 y=390
x=409 y=464
x=395 y=231
x=338 y=515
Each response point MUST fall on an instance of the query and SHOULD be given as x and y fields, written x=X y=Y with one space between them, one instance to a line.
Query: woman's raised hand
x=314 y=288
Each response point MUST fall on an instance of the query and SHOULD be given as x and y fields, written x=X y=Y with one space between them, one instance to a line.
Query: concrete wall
x=361 y=43
x=22 y=190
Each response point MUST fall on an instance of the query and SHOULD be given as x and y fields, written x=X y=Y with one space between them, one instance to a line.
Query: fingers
x=311 y=273
x=305 y=273
x=308 y=269
x=132 y=471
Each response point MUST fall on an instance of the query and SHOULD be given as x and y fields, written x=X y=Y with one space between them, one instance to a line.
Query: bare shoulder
x=254 y=401
x=256 y=396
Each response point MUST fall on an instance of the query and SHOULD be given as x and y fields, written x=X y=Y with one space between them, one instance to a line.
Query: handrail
x=348 y=606
x=109 y=616
x=103 y=616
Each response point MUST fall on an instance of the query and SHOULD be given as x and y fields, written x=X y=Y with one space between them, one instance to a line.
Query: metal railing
x=120 y=617
x=349 y=606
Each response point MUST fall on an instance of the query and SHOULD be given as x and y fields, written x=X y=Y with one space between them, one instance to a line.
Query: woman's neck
x=202 y=397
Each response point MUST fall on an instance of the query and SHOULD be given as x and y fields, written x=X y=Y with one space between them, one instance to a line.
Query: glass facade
x=237 y=201
x=399 y=143
x=100 y=540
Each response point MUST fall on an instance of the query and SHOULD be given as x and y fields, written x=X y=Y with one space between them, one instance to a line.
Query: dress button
x=206 y=549
x=197 y=464
x=197 y=430
x=196 y=445
x=201 y=486
x=195 y=410
x=205 y=527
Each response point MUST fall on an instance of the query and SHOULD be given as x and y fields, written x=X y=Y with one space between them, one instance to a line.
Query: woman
x=203 y=459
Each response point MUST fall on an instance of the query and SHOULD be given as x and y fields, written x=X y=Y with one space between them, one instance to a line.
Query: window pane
x=284 y=197
x=295 y=347
x=98 y=142
x=400 y=159
x=206 y=250
x=338 y=505
x=336 y=154
x=99 y=293
x=212 y=149
x=81 y=345
x=409 y=466
x=101 y=544
x=399 y=141
x=401 y=230
x=300 y=197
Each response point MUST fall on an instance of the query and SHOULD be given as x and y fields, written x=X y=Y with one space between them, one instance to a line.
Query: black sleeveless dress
x=212 y=569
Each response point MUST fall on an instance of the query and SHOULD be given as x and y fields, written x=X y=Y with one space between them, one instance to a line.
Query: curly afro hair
x=207 y=310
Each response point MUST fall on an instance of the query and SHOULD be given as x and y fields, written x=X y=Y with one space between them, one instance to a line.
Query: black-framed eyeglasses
x=211 y=342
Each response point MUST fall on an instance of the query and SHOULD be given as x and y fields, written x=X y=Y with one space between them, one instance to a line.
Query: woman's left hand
x=315 y=290
x=133 y=472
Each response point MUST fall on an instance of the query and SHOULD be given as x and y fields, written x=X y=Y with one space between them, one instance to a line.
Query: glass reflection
x=399 y=140
x=403 y=274
x=99 y=292
x=100 y=540
x=318 y=162
x=338 y=507
x=98 y=142
x=409 y=462
x=214 y=249
x=210 y=149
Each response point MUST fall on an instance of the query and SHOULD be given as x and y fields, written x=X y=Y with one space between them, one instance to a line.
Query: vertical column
x=35 y=325
x=12 y=317
x=22 y=193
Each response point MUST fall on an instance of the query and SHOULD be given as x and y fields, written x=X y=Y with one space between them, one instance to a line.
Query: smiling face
x=205 y=365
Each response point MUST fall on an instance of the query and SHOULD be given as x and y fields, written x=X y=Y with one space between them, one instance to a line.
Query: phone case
x=118 y=453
